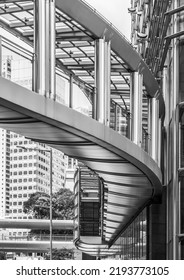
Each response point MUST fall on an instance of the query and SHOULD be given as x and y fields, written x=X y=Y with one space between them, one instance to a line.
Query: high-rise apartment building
x=4 y=172
x=30 y=172
x=25 y=165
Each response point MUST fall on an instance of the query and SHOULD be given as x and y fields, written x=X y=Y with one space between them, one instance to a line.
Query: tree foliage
x=2 y=255
x=38 y=205
x=62 y=254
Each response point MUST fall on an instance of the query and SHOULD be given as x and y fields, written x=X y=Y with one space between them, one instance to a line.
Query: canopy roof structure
x=75 y=54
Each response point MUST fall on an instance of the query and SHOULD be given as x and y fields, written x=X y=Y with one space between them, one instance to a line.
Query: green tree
x=62 y=254
x=2 y=255
x=38 y=206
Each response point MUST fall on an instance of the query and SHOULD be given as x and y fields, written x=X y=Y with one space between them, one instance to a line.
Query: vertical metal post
x=149 y=125
x=1 y=56
x=131 y=106
x=50 y=204
x=107 y=81
x=100 y=79
x=154 y=128
x=136 y=109
x=159 y=142
x=116 y=117
x=47 y=48
x=52 y=50
x=140 y=109
x=175 y=186
x=39 y=46
x=94 y=105
x=71 y=92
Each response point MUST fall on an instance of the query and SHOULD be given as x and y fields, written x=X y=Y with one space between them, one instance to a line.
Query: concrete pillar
x=44 y=47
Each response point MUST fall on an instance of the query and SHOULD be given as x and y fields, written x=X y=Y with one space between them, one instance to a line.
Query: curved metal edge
x=22 y=100
x=97 y=250
x=92 y=21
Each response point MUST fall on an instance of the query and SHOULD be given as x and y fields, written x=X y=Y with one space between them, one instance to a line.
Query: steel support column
x=71 y=92
x=149 y=125
x=136 y=109
x=52 y=50
x=154 y=129
x=40 y=47
x=100 y=79
x=44 y=47
x=175 y=155
x=107 y=81
x=0 y=56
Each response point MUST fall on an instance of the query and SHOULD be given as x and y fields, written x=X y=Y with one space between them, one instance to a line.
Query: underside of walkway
x=130 y=176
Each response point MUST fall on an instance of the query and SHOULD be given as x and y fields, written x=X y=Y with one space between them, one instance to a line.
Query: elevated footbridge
x=110 y=72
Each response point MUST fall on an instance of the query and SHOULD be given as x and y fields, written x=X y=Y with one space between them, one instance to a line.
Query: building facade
x=136 y=93
x=4 y=172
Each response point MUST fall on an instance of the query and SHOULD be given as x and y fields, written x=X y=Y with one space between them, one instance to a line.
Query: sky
x=116 y=11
